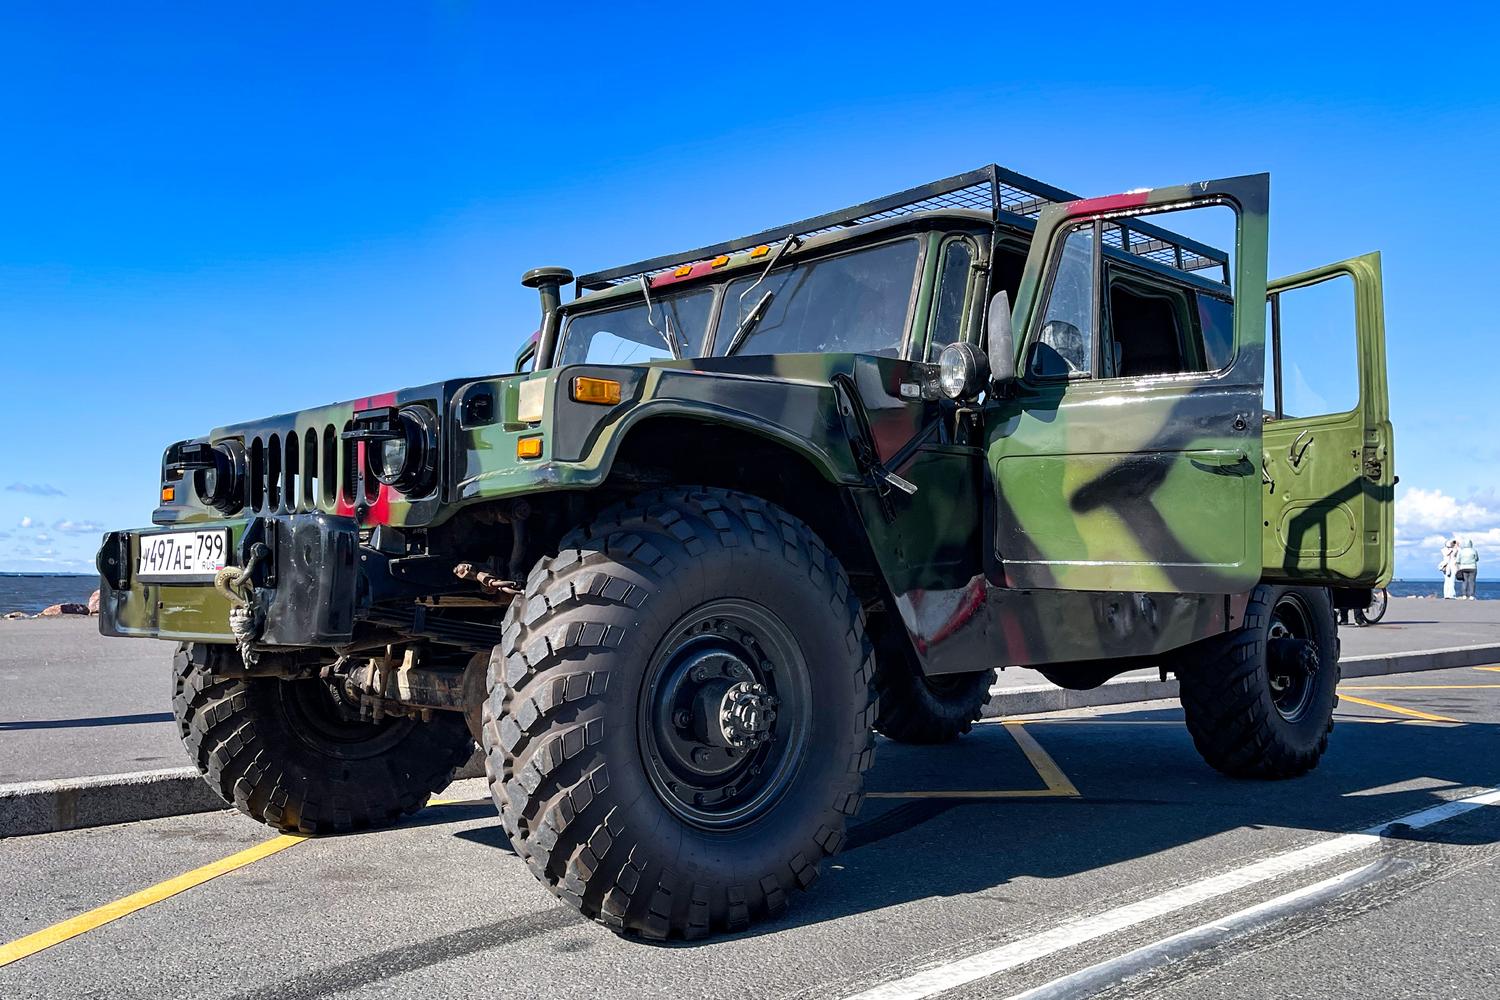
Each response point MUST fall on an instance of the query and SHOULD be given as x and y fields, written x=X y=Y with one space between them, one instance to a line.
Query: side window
x=855 y=303
x=1157 y=328
x=1154 y=298
x=1149 y=329
x=633 y=335
x=1065 y=342
x=1312 y=365
x=952 y=285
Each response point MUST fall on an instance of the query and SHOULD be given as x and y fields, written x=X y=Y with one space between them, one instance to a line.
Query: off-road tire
x=1228 y=700
x=254 y=747
x=564 y=722
x=915 y=708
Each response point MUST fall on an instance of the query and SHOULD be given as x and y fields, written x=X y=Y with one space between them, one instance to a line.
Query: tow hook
x=234 y=584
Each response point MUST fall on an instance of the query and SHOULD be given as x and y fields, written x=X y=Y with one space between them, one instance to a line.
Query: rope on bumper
x=233 y=582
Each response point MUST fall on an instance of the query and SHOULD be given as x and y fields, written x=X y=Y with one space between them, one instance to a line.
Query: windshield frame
x=638 y=301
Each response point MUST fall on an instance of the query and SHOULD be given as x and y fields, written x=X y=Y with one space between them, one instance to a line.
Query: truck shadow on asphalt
x=1144 y=793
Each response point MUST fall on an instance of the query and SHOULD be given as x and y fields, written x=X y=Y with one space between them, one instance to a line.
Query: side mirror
x=1001 y=340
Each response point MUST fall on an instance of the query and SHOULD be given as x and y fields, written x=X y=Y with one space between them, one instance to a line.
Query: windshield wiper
x=748 y=323
x=758 y=311
x=651 y=319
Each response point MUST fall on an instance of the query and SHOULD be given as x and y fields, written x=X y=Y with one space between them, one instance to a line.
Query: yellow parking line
x=84 y=922
x=1495 y=669
x=1088 y=721
x=1397 y=709
x=1041 y=760
x=1419 y=687
x=1058 y=785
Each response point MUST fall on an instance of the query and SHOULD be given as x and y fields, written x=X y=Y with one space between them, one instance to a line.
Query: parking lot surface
x=1075 y=854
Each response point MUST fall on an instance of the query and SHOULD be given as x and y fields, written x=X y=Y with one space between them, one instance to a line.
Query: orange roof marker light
x=759 y=252
x=683 y=271
x=720 y=260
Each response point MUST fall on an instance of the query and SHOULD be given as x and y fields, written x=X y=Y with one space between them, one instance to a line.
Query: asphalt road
x=1158 y=877
x=77 y=704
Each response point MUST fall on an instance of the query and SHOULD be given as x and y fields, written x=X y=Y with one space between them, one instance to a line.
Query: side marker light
x=603 y=391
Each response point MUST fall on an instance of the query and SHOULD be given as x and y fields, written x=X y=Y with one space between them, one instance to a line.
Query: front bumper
x=319 y=585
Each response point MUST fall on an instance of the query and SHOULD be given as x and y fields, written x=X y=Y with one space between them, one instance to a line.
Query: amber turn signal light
x=604 y=391
x=530 y=447
x=168 y=494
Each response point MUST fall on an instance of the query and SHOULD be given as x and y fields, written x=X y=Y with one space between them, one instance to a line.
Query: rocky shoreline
x=58 y=610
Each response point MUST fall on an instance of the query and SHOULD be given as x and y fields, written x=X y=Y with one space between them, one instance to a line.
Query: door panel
x=1329 y=477
x=1147 y=483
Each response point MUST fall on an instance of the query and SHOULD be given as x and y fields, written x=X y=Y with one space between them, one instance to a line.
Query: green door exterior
x=1330 y=478
x=1138 y=484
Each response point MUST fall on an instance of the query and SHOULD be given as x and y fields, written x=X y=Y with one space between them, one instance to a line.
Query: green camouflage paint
x=1090 y=519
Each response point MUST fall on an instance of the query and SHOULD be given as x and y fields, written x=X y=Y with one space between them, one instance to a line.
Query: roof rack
x=1008 y=197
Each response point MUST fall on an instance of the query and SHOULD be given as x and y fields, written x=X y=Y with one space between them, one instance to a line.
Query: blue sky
x=212 y=215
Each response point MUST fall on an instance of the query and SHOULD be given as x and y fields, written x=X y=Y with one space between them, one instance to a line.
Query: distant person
x=1468 y=570
x=1448 y=566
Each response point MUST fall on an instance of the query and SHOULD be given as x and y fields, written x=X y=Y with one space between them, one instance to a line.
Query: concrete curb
x=32 y=807
x=1034 y=698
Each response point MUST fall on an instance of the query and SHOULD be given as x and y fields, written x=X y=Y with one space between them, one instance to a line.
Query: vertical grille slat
x=330 y=468
x=257 y=474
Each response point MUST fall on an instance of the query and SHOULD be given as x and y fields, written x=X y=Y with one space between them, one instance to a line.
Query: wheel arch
x=753 y=458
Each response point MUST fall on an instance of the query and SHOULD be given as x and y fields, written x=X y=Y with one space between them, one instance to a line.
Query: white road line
x=947 y=976
x=1096 y=978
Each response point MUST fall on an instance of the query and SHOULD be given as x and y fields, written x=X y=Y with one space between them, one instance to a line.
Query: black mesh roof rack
x=1008 y=197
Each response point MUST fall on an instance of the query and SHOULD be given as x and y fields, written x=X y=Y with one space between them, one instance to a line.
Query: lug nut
x=700 y=673
x=700 y=755
x=681 y=719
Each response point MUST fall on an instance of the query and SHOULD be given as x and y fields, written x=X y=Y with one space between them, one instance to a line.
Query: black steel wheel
x=922 y=709
x=291 y=754
x=1380 y=600
x=725 y=713
x=680 y=713
x=1259 y=702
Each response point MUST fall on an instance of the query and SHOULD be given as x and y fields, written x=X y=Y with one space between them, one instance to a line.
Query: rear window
x=855 y=303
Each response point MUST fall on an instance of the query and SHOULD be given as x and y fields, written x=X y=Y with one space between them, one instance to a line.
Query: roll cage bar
x=1010 y=199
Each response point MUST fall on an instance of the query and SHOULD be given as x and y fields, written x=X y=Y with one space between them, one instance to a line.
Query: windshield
x=624 y=336
x=852 y=304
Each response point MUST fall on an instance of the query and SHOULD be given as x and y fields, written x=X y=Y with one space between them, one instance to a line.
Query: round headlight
x=962 y=371
x=408 y=461
x=393 y=454
x=222 y=486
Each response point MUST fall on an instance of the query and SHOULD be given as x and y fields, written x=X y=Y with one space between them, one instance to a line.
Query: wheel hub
x=745 y=715
x=1292 y=659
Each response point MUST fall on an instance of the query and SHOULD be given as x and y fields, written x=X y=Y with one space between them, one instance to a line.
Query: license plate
x=182 y=556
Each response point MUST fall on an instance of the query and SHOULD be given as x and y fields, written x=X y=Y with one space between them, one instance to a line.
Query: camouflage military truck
x=739 y=509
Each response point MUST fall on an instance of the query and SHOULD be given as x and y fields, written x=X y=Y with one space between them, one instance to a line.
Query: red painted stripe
x=380 y=507
x=1108 y=203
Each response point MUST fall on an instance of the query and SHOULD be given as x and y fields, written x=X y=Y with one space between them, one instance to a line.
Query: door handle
x=1299 y=448
x=1223 y=461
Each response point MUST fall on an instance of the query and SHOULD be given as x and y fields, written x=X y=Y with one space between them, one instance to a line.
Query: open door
x=1127 y=457
x=1329 y=471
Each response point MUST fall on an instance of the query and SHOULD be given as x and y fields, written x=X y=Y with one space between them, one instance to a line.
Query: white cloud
x=1420 y=511
x=1426 y=519
x=78 y=527
x=26 y=522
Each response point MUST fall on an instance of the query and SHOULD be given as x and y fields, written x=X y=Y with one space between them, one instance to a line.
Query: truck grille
x=301 y=470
